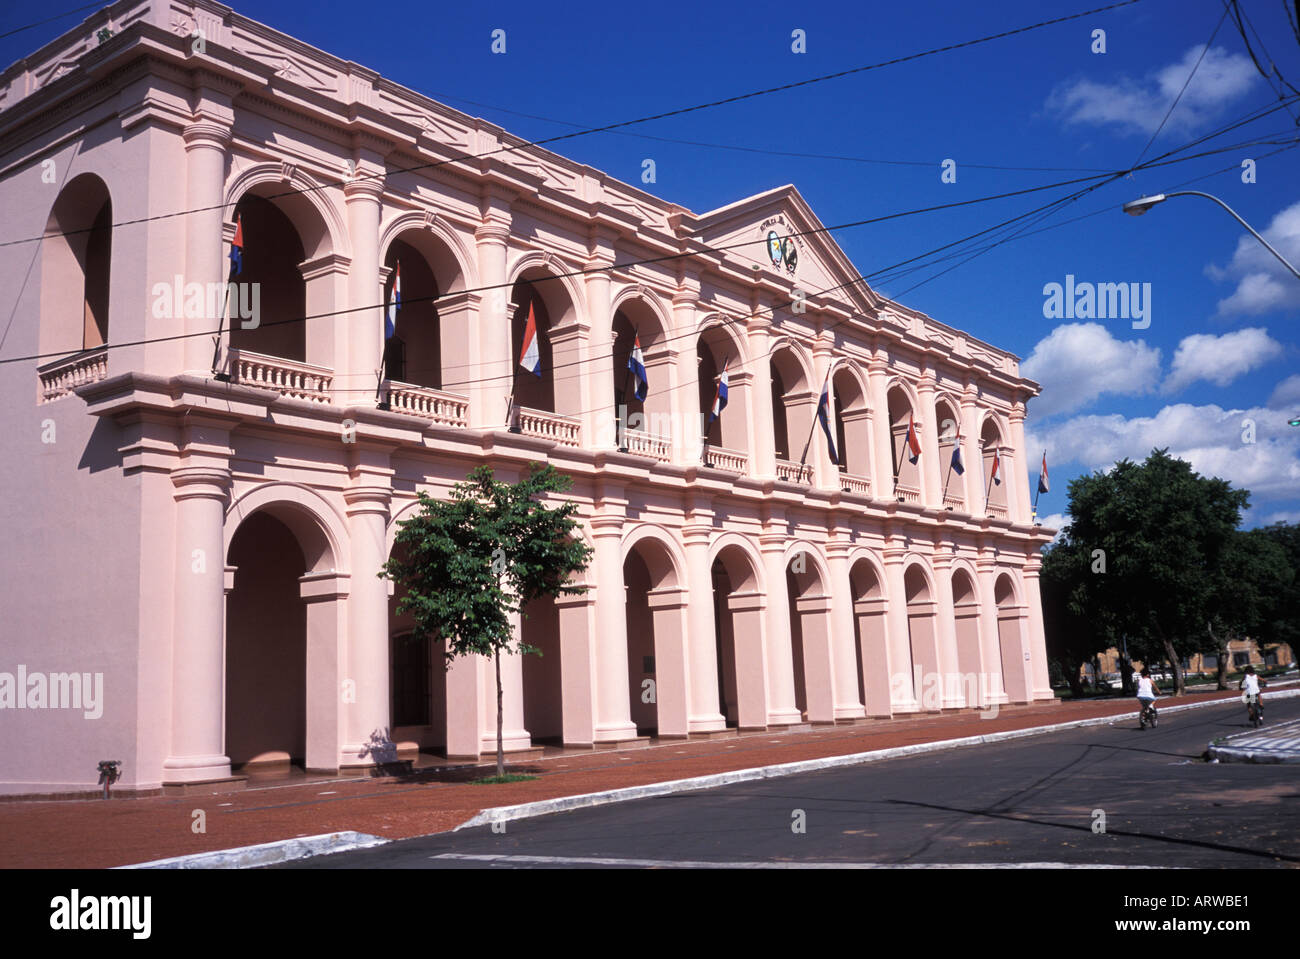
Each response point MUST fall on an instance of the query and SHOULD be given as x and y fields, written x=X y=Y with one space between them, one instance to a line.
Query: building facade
x=191 y=583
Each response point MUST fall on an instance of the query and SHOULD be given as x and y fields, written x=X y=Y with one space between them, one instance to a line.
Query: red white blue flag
x=913 y=444
x=1042 y=475
x=237 y=249
x=636 y=363
x=957 y=466
x=720 y=400
x=996 y=463
x=529 y=357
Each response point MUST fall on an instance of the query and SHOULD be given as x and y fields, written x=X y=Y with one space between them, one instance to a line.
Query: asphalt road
x=1037 y=800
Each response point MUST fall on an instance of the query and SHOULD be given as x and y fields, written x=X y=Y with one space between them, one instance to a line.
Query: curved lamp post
x=1138 y=207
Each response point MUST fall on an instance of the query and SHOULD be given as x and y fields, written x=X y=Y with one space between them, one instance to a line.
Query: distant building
x=1241 y=652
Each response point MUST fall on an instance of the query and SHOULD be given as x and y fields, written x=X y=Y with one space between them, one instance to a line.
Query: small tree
x=473 y=560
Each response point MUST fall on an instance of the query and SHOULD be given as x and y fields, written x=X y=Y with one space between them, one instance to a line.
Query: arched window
x=76 y=261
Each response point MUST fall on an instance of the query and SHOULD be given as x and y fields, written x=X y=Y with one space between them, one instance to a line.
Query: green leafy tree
x=1161 y=530
x=469 y=563
x=1283 y=625
x=1073 y=635
x=1253 y=579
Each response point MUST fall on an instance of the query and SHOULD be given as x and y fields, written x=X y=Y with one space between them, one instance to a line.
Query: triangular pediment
x=778 y=232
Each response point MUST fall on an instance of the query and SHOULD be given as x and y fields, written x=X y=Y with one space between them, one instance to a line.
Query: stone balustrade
x=648 y=444
x=731 y=461
x=563 y=430
x=444 y=409
x=62 y=376
x=302 y=381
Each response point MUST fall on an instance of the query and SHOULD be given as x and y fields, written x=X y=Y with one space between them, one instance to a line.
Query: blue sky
x=1214 y=376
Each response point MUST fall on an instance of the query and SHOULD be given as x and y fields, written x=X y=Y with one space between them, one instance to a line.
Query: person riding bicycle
x=1250 y=685
x=1146 y=692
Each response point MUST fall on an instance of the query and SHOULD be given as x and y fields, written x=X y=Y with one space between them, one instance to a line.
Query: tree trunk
x=1072 y=677
x=1221 y=646
x=1126 y=675
x=1175 y=664
x=501 y=752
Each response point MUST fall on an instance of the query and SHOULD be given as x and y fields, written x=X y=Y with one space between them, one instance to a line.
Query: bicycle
x=1254 y=709
x=1148 y=715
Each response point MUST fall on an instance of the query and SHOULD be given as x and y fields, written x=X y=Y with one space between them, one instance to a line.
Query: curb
x=267 y=853
x=650 y=790
x=1230 y=754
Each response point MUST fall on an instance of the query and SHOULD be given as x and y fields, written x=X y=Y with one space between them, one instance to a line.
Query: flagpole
x=627 y=376
x=813 y=428
x=988 y=489
x=1040 y=482
x=957 y=444
x=216 y=340
x=704 y=440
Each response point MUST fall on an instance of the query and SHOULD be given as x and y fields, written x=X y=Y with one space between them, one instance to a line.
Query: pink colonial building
x=190 y=574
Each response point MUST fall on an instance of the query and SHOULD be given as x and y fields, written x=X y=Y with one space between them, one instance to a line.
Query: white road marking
x=701 y=864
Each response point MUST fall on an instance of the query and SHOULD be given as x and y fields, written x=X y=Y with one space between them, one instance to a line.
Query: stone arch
x=282 y=542
x=663 y=558
x=444 y=247
x=811 y=657
x=923 y=633
x=537 y=282
x=747 y=575
x=319 y=527
x=792 y=399
x=853 y=418
x=301 y=196
x=975 y=682
x=904 y=407
x=718 y=345
x=1013 y=641
x=867 y=587
x=994 y=449
x=636 y=313
x=739 y=633
x=296 y=244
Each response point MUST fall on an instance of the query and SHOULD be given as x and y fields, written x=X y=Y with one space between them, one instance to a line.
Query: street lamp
x=1138 y=207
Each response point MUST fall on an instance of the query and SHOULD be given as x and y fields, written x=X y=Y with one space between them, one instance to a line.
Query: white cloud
x=1283 y=516
x=1078 y=362
x=1286 y=395
x=1212 y=439
x=1056 y=521
x=1137 y=106
x=1220 y=359
x=1263 y=284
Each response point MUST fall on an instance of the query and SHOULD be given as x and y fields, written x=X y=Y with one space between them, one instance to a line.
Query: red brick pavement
x=97 y=834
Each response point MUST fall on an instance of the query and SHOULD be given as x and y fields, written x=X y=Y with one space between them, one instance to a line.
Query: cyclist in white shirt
x=1146 y=692
x=1250 y=686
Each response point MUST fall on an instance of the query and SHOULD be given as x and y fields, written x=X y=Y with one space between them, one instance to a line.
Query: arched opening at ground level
x=738 y=634
x=418 y=683
x=543 y=684
x=871 y=639
x=266 y=647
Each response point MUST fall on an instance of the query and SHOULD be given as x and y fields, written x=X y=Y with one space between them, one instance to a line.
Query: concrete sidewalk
x=98 y=834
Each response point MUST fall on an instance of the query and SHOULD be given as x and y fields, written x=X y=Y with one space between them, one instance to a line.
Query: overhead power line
x=606 y=128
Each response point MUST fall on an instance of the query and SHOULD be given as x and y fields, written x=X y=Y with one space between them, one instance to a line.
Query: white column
x=613 y=714
x=930 y=484
x=490 y=382
x=197 y=749
x=903 y=697
x=705 y=714
x=782 y=708
x=368 y=717
x=842 y=633
x=206 y=143
x=365 y=323
x=762 y=454
x=882 y=480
